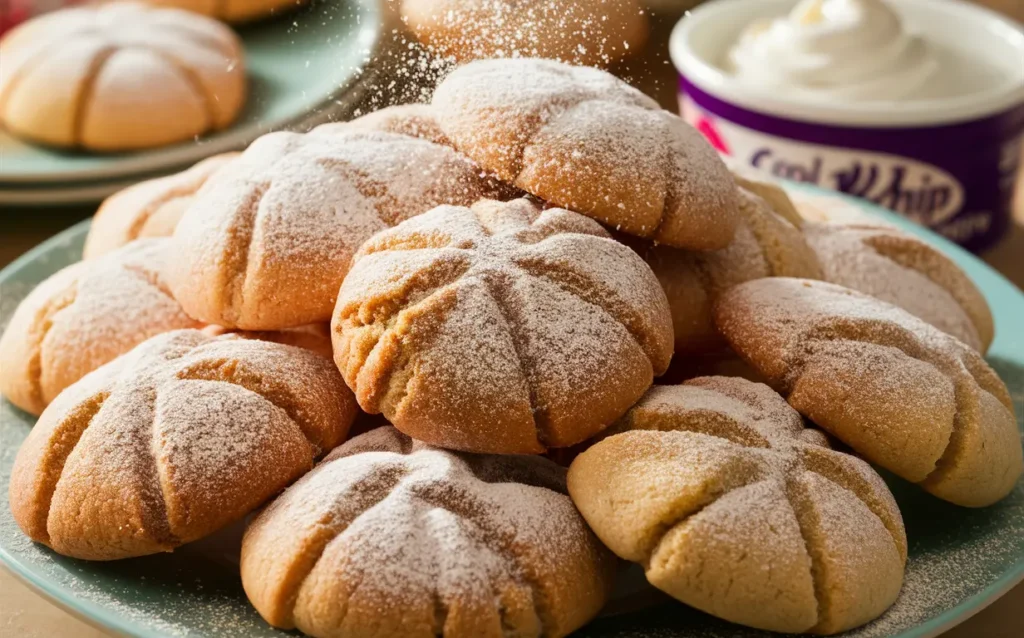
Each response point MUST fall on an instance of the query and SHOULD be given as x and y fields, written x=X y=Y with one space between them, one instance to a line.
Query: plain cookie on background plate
x=120 y=77
x=172 y=441
x=151 y=208
x=905 y=395
x=585 y=32
x=267 y=241
x=83 y=316
x=391 y=537
x=500 y=328
x=734 y=508
x=583 y=139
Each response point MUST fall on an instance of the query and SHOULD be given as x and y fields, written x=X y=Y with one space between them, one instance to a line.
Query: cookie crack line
x=858 y=496
x=228 y=367
x=377 y=495
x=195 y=84
x=399 y=306
x=805 y=519
x=514 y=325
x=35 y=363
x=518 y=573
x=88 y=87
x=97 y=402
x=238 y=275
x=151 y=278
x=164 y=535
x=536 y=272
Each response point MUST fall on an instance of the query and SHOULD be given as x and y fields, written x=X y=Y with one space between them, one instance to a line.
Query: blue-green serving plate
x=297 y=63
x=960 y=559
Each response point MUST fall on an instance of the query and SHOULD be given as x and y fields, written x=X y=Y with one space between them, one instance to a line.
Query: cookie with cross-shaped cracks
x=172 y=441
x=500 y=328
x=734 y=508
x=391 y=537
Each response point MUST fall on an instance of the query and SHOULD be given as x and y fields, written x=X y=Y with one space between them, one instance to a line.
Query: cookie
x=120 y=77
x=268 y=240
x=765 y=245
x=734 y=508
x=583 y=139
x=896 y=267
x=575 y=31
x=500 y=328
x=759 y=183
x=414 y=120
x=903 y=394
x=176 y=439
x=151 y=208
x=391 y=537
x=84 y=316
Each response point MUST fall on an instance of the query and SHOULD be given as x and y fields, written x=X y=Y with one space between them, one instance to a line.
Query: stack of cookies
x=502 y=275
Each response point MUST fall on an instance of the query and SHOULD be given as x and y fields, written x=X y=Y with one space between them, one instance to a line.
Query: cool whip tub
x=915 y=105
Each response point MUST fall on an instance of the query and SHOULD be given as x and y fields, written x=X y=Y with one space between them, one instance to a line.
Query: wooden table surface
x=25 y=614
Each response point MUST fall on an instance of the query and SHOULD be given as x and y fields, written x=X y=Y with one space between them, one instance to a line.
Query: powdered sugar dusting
x=573 y=314
x=848 y=259
x=581 y=138
x=413 y=525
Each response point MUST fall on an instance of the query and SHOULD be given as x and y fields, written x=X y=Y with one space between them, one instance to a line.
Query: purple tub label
x=955 y=179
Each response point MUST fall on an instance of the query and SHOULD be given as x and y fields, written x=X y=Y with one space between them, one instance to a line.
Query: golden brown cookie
x=120 y=76
x=583 y=139
x=84 y=316
x=391 y=537
x=734 y=508
x=905 y=395
x=500 y=328
x=764 y=186
x=897 y=267
x=172 y=441
x=575 y=31
x=765 y=245
x=268 y=240
x=151 y=208
x=414 y=120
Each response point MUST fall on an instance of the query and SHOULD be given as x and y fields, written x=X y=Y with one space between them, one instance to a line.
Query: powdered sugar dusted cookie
x=896 y=267
x=84 y=316
x=500 y=328
x=736 y=509
x=902 y=393
x=765 y=245
x=391 y=537
x=587 y=32
x=172 y=441
x=151 y=208
x=268 y=240
x=583 y=139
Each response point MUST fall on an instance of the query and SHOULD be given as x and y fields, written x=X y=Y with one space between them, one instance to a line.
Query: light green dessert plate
x=297 y=64
x=960 y=559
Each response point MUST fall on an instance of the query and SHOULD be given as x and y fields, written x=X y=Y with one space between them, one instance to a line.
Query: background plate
x=297 y=64
x=960 y=559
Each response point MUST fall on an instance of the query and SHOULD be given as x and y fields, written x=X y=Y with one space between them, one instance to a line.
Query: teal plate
x=297 y=64
x=960 y=559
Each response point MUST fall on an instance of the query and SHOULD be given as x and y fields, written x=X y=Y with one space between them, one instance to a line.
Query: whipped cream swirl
x=837 y=49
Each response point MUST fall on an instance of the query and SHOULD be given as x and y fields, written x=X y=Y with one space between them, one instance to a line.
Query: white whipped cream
x=839 y=49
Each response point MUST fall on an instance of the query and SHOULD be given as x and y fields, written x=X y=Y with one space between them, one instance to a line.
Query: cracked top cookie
x=269 y=238
x=583 y=139
x=734 y=508
x=172 y=441
x=148 y=209
x=120 y=76
x=391 y=537
x=500 y=328
x=84 y=316
x=902 y=393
